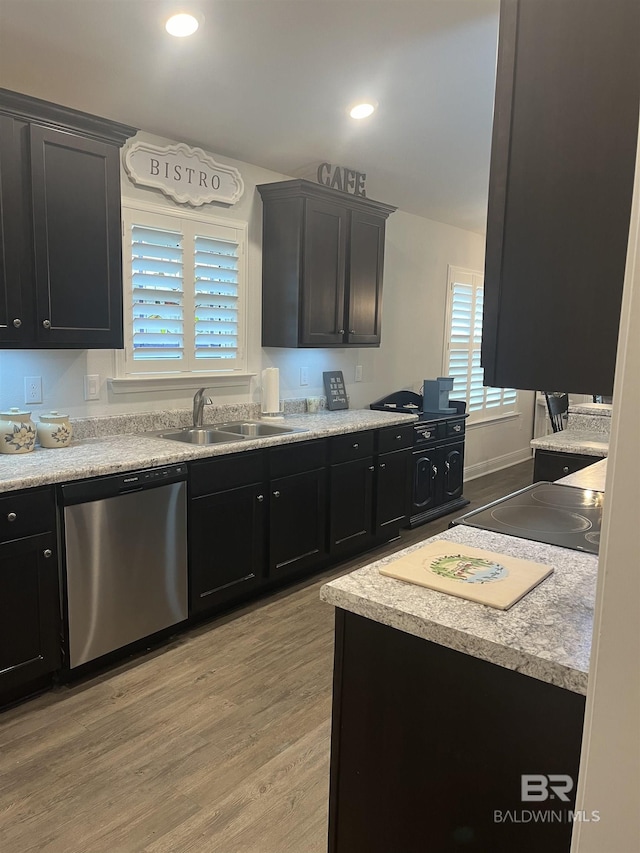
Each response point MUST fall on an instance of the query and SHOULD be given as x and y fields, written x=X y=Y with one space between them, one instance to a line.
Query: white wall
x=610 y=761
x=414 y=298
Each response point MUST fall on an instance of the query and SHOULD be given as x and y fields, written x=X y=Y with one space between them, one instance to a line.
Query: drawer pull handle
x=565 y=470
x=12 y=516
x=372 y=467
x=383 y=465
x=260 y=498
x=356 y=446
x=276 y=494
x=457 y=428
x=352 y=331
x=447 y=466
x=398 y=438
x=341 y=331
x=434 y=472
x=47 y=553
x=17 y=322
x=46 y=324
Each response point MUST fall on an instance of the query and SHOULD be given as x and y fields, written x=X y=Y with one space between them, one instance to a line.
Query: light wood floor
x=219 y=741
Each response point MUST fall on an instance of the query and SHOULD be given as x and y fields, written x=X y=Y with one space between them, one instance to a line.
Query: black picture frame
x=335 y=390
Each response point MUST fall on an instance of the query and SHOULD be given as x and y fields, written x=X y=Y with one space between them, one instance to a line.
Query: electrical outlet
x=304 y=375
x=33 y=389
x=358 y=373
x=92 y=387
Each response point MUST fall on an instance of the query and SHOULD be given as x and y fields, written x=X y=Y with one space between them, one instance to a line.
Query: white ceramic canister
x=17 y=432
x=54 y=430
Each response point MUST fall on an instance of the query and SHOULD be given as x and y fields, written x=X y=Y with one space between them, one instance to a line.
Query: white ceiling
x=268 y=82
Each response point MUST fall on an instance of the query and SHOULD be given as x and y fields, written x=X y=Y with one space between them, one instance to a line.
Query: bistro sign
x=187 y=175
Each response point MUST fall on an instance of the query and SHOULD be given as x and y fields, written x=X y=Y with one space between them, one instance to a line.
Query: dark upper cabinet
x=322 y=266
x=562 y=164
x=61 y=272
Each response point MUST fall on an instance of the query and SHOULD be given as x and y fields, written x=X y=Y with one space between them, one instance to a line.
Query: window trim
x=483 y=416
x=238 y=376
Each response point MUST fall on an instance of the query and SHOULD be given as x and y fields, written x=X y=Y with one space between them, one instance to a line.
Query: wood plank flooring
x=218 y=741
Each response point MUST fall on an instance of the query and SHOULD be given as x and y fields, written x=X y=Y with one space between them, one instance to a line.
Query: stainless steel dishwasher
x=125 y=546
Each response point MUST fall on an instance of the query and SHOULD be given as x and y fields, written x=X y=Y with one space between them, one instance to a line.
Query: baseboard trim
x=497 y=464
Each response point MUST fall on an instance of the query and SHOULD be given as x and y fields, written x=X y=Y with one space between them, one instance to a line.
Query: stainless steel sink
x=255 y=429
x=198 y=436
x=221 y=433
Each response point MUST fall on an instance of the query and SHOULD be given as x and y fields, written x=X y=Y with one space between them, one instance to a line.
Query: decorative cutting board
x=497 y=580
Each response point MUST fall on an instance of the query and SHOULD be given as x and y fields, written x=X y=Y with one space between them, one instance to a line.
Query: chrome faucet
x=199 y=401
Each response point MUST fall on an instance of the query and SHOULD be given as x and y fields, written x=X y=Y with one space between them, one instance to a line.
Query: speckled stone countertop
x=111 y=454
x=574 y=441
x=597 y=409
x=546 y=635
x=592 y=477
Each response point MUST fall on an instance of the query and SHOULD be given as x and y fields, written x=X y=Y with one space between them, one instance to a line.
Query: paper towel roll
x=271 y=390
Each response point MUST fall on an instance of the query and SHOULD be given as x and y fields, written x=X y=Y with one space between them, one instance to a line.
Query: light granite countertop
x=596 y=409
x=592 y=477
x=546 y=635
x=93 y=457
x=574 y=441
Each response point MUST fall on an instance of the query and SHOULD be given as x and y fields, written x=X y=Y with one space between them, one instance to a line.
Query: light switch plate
x=358 y=373
x=92 y=387
x=304 y=375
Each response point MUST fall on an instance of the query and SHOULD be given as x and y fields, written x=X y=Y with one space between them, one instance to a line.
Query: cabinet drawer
x=295 y=458
x=395 y=438
x=354 y=445
x=26 y=513
x=227 y=472
x=549 y=465
x=454 y=428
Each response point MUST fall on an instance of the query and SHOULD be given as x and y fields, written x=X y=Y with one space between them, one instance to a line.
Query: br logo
x=535 y=787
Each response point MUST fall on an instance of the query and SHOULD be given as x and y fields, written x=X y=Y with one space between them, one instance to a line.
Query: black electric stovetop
x=545 y=512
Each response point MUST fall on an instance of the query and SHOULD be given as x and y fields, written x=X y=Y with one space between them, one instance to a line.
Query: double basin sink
x=220 y=433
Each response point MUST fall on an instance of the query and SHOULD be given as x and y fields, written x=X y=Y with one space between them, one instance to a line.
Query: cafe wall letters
x=187 y=175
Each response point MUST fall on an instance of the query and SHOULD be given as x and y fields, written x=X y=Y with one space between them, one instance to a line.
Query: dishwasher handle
x=99 y=488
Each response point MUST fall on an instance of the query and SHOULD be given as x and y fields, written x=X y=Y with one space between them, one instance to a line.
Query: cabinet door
x=350 y=501
x=452 y=471
x=29 y=613
x=426 y=483
x=392 y=491
x=323 y=280
x=226 y=545
x=366 y=259
x=15 y=306
x=562 y=164
x=298 y=535
x=77 y=243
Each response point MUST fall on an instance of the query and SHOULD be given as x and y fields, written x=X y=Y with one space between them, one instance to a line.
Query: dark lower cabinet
x=427 y=744
x=227 y=545
x=550 y=465
x=438 y=481
x=351 y=505
x=392 y=493
x=297 y=523
x=29 y=597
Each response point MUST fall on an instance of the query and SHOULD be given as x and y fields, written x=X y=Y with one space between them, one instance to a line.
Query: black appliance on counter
x=567 y=516
x=437 y=469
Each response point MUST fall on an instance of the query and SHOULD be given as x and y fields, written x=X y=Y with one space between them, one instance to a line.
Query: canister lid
x=15 y=413
x=53 y=418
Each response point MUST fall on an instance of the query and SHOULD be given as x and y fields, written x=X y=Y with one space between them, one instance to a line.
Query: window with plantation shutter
x=184 y=294
x=464 y=338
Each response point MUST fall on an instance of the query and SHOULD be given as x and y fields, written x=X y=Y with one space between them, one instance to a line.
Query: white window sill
x=178 y=382
x=494 y=419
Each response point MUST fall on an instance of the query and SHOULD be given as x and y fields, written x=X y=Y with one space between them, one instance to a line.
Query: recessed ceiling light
x=362 y=110
x=182 y=25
